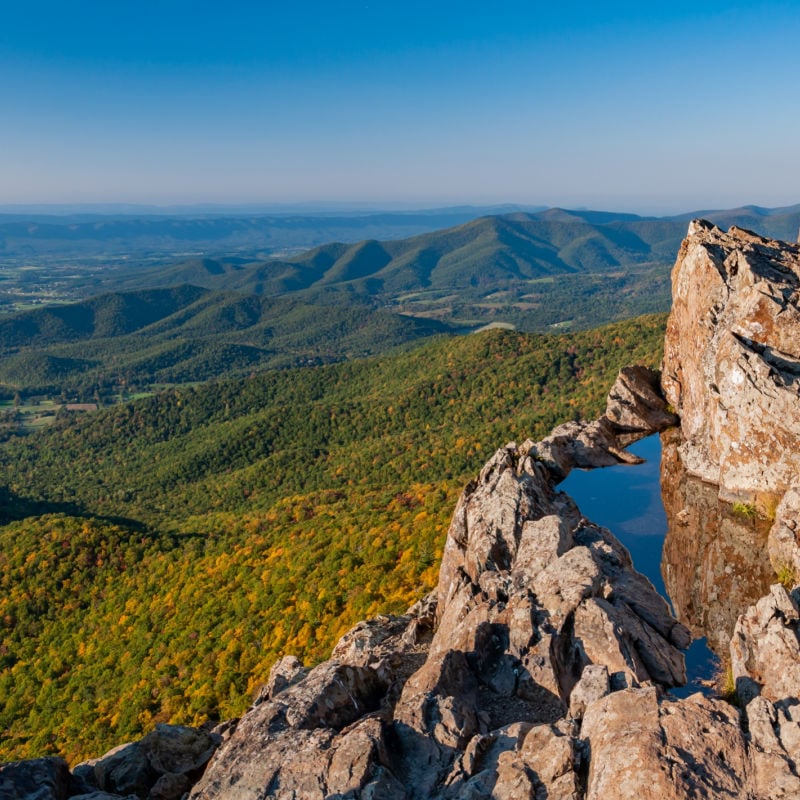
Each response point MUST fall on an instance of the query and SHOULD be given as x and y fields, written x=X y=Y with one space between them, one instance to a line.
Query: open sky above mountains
x=652 y=107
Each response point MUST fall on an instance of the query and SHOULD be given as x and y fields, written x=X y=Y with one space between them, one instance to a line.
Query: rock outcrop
x=731 y=365
x=48 y=778
x=162 y=766
x=541 y=668
x=479 y=690
x=646 y=748
x=732 y=372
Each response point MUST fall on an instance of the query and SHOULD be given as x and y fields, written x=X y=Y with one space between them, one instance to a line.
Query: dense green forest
x=123 y=343
x=156 y=557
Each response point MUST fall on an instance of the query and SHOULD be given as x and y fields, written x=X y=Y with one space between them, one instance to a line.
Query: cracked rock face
x=643 y=749
x=731 y=365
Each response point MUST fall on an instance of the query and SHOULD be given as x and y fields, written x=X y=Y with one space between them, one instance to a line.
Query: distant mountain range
x=202 y=317
x=31 y=233
x=484 y=253
x=533 y=270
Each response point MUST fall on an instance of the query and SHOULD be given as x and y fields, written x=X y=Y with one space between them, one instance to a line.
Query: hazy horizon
x=344 y=208
x=617 y=107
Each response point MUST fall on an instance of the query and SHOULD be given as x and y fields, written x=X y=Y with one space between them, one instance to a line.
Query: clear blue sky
x=640 y=106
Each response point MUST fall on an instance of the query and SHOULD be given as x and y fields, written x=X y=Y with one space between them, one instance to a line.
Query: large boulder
x=314 y=738
x=636 y=404
x=731 y=366
x=162 y=766
x=36 y=779
x=642 y=748
x=765 y=648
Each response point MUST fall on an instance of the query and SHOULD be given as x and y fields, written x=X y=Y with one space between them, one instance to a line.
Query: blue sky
x=640 y=106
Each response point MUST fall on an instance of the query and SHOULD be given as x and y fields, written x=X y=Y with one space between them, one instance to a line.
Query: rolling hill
x=205 y=317
x=484 y=254
x=529 y=270
x=185 y=334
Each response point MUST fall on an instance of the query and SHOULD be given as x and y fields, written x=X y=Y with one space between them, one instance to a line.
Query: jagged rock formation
x=477 y=691
x=732 y=361
x=732 y=371
x=549 y=656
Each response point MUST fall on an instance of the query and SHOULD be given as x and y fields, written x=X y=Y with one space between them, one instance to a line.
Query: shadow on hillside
x=14 y=508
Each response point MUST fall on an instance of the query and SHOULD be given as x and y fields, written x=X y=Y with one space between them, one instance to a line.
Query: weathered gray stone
x=125 y=770
x=541 y=542
x=137 y=767
x=643 y=749
x=581 y=445
x=635 y=403
x=178 y=749
x=774 y=769
x=593 y=685
x=516 y=762
x=285 y=743
x=170 y=786
x=285 y=672
x=562 y=586
x=765 y=650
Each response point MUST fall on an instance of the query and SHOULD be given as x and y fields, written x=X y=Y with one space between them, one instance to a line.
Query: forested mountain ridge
x=486 y=251
x=533 y=271
x=568 y=268
x=114 y=314
x=515 y=245
x=121 y=341
x=554 y=267
x=161 y=554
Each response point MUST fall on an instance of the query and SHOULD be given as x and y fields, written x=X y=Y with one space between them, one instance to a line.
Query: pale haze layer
x=648 y=107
